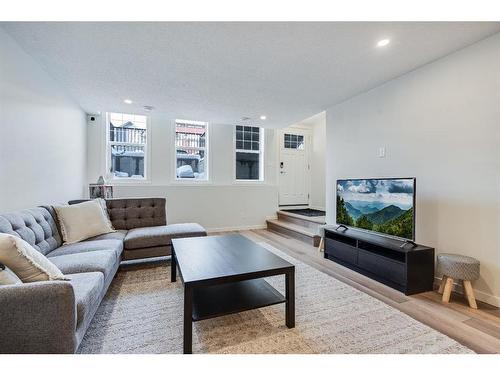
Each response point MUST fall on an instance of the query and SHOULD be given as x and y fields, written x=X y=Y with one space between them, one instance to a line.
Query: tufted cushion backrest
x=36 y=226
x=129 y=213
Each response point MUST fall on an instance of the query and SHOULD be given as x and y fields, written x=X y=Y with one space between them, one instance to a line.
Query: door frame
x=306 y=131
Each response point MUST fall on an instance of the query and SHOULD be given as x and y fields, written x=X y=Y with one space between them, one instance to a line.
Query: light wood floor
x=477 y=329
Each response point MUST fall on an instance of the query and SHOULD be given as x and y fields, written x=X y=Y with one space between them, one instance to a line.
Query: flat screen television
x=381 y=205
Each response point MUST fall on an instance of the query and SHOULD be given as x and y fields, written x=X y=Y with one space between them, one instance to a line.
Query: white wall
x=42 y=134
x=441 y=124
x=221 y=203
x=318 y=160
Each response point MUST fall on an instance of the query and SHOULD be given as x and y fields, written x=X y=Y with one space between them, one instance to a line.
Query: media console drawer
x=341 y=251
x=387 y=268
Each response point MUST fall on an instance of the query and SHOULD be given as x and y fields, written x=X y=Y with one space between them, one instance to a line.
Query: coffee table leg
x=173 y=267
x=188 y=320
x=290 y=298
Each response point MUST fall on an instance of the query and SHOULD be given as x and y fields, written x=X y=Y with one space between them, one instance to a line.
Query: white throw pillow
x=7 y=277
x=102 y=203
x=83 y=220
x=27 y=263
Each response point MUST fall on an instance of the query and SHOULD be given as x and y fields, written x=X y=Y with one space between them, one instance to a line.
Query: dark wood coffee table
x=223 y=275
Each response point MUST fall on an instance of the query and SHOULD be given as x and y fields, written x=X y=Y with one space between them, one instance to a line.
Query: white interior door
x=294 y=167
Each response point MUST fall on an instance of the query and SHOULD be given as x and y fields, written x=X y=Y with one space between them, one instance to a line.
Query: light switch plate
x=381 y=152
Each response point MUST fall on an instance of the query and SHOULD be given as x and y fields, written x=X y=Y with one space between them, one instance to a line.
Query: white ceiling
x=220 y=72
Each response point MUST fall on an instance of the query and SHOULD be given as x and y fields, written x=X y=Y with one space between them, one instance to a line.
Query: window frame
x=147 y=156
x=178 y=180
x=261 y=153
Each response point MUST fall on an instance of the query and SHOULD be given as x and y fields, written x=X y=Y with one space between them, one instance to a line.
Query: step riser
x=294 y=220
x=314 y=241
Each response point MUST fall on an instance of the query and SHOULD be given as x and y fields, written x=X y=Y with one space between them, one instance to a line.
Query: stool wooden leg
x=447 y=290
x=441 y=286
x=321 y=244
x=469 y=293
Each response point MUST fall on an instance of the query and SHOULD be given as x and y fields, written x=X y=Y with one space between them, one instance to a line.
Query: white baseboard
x=480 y=296
x=230 y=229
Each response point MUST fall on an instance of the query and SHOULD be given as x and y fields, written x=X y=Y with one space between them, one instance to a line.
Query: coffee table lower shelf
x=230 y=298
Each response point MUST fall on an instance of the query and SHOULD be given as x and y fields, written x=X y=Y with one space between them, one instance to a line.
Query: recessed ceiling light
x=383 y=42
x=128 y=101
x=263 y=117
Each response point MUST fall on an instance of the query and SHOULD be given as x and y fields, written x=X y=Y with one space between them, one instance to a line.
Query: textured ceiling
x=220 y=72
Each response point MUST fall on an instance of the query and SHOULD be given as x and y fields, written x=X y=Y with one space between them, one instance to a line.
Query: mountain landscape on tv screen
x=384 y=206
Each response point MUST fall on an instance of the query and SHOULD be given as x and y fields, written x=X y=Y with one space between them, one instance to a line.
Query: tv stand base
x=407 y=269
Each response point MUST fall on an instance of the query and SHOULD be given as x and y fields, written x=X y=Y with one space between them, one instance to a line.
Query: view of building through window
x=127 y=141
x=191 y=149
x=127 y=145
x=249 y=150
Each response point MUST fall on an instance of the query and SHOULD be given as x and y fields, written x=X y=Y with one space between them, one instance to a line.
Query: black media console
x=409 y=269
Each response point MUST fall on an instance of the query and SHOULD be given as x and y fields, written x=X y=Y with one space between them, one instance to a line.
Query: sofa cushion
x=128 y=213
x=88 y=288
x=118 y=235
x=27 y=263
x=87 y=246
x=81 y=221
x=162 y=235
x=36 y=226
x=95 y=261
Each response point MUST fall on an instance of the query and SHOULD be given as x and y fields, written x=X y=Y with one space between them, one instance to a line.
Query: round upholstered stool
x=457 y=267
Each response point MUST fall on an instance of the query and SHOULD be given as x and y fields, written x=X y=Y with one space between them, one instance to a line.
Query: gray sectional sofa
x=53 y=316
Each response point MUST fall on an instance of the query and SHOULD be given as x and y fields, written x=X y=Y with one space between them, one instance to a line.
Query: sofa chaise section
x=142 y=224
x=155 y=237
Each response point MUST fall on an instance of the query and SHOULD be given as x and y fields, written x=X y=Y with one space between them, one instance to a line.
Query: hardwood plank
x=484 y=312
x=439 y=307
x=484 y=326
x=471 y=337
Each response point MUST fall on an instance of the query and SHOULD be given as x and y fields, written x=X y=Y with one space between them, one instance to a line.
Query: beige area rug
x=142 y=313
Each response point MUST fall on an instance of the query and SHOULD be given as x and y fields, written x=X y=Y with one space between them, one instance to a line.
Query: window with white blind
x=191 y=150
x=127 y=142
x=249 y=146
